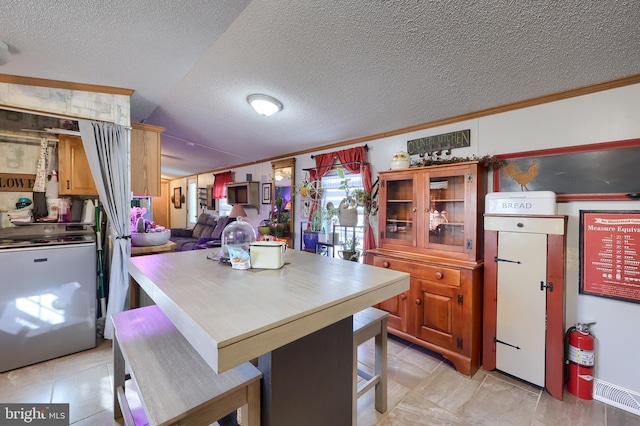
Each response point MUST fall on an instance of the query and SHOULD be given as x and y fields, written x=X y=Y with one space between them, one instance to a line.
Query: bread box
x=521 y=203
x=268 y=254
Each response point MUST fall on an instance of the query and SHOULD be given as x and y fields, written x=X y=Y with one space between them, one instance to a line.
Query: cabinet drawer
x=433 y=273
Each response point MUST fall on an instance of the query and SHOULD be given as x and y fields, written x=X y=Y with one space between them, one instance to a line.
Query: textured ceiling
x=343 y=70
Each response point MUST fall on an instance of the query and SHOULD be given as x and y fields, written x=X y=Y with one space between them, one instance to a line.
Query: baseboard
x=617 y=396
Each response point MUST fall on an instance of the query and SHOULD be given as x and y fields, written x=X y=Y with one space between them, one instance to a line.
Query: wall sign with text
x=443 y=142
x=12 y=182
x=609 y=254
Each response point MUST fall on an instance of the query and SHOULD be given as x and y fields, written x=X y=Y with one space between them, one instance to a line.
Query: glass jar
x=237 y=234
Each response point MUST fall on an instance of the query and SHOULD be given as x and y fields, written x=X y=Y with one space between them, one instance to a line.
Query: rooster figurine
x=523 y=178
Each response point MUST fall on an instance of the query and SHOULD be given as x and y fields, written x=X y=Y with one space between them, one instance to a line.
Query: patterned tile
x=423 y=389
x=449 y=389
x=26 y=377
x=100 y=355
x=498 y=402
x=416 y=410
x=88 y=392
x=571 y=411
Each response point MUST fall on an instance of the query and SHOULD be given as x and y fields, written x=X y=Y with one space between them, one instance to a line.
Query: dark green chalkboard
x=605 y=171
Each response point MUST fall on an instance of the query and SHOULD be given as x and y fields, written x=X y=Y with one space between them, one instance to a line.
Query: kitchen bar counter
x=297 y=319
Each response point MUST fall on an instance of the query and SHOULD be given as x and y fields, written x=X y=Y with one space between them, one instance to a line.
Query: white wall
x=601 y=117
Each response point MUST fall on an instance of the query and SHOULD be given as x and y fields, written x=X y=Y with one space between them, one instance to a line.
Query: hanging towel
x=39 y=187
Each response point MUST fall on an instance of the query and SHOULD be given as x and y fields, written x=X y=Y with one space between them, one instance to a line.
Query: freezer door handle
x=497 y=259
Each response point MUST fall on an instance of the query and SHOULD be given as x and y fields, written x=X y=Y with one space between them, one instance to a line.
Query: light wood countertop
x=231 y=316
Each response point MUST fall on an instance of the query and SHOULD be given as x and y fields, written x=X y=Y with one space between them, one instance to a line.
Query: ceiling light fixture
x=264 y=105
x=4 y=53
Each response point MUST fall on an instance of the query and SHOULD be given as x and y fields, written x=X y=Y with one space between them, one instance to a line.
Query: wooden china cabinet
x=430 y=225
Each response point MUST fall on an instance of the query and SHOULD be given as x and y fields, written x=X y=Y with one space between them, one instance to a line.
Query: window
x=223 y=208
x=192 y=203
x=332 y=193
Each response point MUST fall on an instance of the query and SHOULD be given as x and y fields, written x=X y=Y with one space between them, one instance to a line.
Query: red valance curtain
x=353 y=160
x=220 y=181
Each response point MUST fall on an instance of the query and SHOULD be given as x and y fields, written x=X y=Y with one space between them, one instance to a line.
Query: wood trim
x=586 y=90
x=41 y=82
x=149 y=127
x=490 y=300
x=554 y=372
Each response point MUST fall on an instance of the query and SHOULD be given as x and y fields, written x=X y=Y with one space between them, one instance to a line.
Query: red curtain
x=357 y=157
x=220 y=182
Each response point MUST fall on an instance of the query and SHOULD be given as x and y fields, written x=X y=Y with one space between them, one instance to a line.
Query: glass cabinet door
x=399 y=209
x=445 y=211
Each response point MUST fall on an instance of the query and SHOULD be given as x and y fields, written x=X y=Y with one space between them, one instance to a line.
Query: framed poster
x=266 y=193
x=177 y=197
x=609 y=254
x=601 y=171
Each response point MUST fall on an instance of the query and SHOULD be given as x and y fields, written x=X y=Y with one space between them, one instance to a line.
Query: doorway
x=192 y=202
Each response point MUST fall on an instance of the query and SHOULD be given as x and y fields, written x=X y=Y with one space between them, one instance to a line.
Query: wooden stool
x=368 y=323
x=173 y=382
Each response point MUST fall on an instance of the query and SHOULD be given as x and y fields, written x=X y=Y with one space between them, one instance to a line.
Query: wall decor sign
x=12 y=182
x=177 y=197
x=443 y=142
x=266 y=193
x=609 y=254
x=602 y=171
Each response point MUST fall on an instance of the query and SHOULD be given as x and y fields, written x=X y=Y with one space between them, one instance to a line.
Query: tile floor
x=422 y=390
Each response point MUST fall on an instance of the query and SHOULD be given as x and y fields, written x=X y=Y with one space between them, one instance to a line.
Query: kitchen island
x=296 y=320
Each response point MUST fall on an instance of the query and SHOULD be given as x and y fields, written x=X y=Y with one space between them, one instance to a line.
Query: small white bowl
x=150 y=238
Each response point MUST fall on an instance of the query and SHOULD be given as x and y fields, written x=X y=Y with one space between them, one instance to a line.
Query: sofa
x=206 y=233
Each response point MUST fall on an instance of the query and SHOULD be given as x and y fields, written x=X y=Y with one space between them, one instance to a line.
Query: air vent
x=617 y=396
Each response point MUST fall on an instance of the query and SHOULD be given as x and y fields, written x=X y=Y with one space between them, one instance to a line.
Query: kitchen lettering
x=16 y=182
x=516 y=205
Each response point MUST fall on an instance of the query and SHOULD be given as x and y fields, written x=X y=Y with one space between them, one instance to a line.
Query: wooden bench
x=173 y=382
x=367 y=324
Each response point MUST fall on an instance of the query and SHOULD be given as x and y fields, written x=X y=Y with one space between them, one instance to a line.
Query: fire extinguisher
x=580 y=360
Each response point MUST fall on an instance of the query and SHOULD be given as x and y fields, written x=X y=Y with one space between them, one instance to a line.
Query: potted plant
x=279 y=218
x=144 y=232
x=347 y=210
x=316 y=227
x=350 y=251
x=264 y=228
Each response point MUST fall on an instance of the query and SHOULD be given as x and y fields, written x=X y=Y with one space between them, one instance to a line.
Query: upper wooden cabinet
x=434 y=210
x=145 y=160
x=74 y=174
x=244 y=193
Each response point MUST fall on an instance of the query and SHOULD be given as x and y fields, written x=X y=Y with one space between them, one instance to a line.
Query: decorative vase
x=277 y=229
x=400 y=160
x=310 y=238
x=348 y=217
x=264 y=229
x=141 y=239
